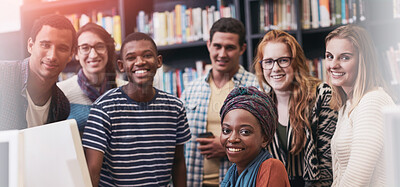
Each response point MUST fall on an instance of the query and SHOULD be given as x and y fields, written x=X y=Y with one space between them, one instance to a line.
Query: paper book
x=332 y=11
x=210 y=17
x=324 y=13
x=204 y=21
x=183 y=23
x=189 y=25
x=117 y=34
x=48 y=155
x=171 y=27
x=108 y=24
x=100 y=18
x=344 y=12
x=338 y=12
x=233 y=10
x=361 y=9
x=197 y=24
x=306 y=14
x=140 y=21
x=262 y=16
x=83 y=20
x=178 y=23
x=314 y=14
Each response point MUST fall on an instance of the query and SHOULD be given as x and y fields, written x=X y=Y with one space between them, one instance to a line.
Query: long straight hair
x=303 y=85
x=369 y=77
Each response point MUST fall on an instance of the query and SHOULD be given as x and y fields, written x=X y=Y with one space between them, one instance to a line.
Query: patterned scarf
x=248 y=177
x=90 y=90
x=257 y=103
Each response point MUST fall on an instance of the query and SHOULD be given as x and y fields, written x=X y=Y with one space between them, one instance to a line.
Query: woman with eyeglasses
x=306 y=123
x=96 y=55
x=359 y=93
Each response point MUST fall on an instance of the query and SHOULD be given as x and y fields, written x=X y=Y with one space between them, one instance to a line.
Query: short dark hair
x=109 y=41
x=230 y=25
x=136 y=36
x=56 y=21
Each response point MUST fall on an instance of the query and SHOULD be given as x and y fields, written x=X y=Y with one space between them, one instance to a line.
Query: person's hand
x=211 y=147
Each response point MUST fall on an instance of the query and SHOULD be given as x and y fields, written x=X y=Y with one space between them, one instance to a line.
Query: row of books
x=281 y=14
x=325 y=13
x=174 y=80
x=110 y=22
x=277 y=14
x=393 y=57
x=183 y=24
x=317 y=68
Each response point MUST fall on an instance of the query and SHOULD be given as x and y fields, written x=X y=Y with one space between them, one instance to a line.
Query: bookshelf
x=299 y=22
x=179 y=55
x=261 y=16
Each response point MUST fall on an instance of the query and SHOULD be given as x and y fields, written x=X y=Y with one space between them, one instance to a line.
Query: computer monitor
x=9 y=158
x=53 y=156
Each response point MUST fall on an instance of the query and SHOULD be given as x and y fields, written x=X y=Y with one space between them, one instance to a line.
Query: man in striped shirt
x=135 y=133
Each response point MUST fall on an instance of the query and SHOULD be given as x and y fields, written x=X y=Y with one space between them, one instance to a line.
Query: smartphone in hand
x=206 y=135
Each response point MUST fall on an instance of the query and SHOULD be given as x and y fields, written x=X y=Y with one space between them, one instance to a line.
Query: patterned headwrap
x=257 y=103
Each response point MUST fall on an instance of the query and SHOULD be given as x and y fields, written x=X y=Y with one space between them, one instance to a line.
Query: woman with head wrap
x=248 y=121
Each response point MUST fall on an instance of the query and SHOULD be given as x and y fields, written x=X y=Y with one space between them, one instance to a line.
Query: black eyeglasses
x=283 y=62
x=85 y=49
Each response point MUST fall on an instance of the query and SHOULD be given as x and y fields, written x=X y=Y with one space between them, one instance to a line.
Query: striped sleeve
x=182 y=132
x=98 y=129
x=368 y=139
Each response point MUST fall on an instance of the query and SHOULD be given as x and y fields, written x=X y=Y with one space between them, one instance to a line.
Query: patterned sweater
x=314 y=162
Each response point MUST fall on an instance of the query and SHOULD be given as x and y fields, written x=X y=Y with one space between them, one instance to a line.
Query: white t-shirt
x=36 y=115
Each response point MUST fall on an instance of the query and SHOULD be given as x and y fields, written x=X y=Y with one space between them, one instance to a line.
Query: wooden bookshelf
x=248 y=11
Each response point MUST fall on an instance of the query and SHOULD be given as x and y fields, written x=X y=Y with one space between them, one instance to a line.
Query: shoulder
x=197 y=86
x=245 y=78
x=324 y=87
x=272 y=164
x=120 y=82
x=168 y=99
x=12 y=67
x=110 y=97
x=375 y=98
x=272 y=172
x=68 y=84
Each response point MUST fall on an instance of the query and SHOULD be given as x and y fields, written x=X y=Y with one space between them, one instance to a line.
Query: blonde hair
x=303 y=86
x=369 y=77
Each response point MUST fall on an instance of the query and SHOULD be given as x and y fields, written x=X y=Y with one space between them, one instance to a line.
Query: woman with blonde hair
x=359 y=95
x=306 y=123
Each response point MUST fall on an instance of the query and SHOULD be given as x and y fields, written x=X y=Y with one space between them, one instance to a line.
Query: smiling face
x=140 y=62
x=341 y=63
x=225 y=52
x=280 y=79
x=241 y=137
x=50 y=52
x=94 y=62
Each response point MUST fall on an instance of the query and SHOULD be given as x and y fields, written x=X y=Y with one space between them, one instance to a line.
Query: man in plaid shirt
x=206 y=160
x=29 y=95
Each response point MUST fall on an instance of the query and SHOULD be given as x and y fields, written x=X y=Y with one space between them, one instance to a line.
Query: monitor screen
x=4 y=167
